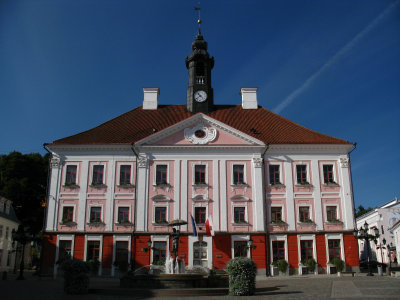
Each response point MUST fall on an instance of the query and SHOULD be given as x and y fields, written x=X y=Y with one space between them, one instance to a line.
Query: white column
x=216 y=195
x=52 y=197
x=83 y=195
x=110 y=196
x=317 y=194
x=142 y=186
x=291 y=219
x=223 y=208
x=258 y=194
x=347 y=198
x=184 y=195
x=177 y=188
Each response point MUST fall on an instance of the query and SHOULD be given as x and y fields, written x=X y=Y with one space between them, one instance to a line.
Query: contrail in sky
x=332 y=60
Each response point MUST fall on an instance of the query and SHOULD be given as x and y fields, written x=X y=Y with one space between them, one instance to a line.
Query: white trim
x=338 y=216
x=275 y=163
x=184 y=193
x=310 y=211
x=157 y=163
x=246 y=218
x=239 y=163
x=159 y=238
x=60 y=215
x=118 y=175
x=283 y=215
x=306 y=163
x=334 y=236
x=90 y=237
x=120 y=238
x=208 y=240
x=97 y=163
x=199 y=204
x=64 y=172
x=177 y=185
x=239 y=238
x=323 y=163
x=90 y=205
x=153 y=219
x=117 y=206
x=307 y=237
x=63 y=237
x=216 y=203
x=281 y=238
x=223 y=210
x=199 y=163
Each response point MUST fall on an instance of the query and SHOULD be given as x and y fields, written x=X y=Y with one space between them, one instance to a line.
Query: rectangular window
x=161 y=174
x=334 y=249
x=93 y=250
x=278 y=250
x=98 y=174
x=125 y=174
x=159 y=251
x=276 y=214
x=240 y=248
x=200 y=174
x=239 y=214
x=328 y=173
x=238 y=174
x=121 y=251
x=64 y=250
x=274 y=176
x=331 y=214
x=123 y=214
x=70 y=177
x=200 y=215
x=95 y=214
x=301 y=171
x=304 y=214
x=306 y=248
x=160 y=214
x=68 y=214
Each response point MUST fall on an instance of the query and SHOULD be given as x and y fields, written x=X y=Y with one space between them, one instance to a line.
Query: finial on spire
x=199 y=19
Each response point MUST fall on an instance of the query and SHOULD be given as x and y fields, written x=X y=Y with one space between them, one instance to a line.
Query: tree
x=361 y=210
x=23 y=180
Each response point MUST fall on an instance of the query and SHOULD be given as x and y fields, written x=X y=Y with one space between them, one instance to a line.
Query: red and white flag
x=209 y=227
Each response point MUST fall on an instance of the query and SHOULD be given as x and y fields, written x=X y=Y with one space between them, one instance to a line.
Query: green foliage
x=281 y=264
x=309 y=263
x=361 y=211
x=76 y=280
x=339 y=264
x=93 y=266
x=158 y=263
x=23 y=180
x=122 y=265
x=242 y=276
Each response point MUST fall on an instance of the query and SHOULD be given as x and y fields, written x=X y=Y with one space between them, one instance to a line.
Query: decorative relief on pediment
x=344 y=162
x=200 y=134
x=142 y=161
x=258 y=162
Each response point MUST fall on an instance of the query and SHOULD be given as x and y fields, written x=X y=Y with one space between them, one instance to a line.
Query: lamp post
x=362 y=234
x=380 y=246
x=389 y=247
x=149 y=244
x=250 y=245
x=21 y=237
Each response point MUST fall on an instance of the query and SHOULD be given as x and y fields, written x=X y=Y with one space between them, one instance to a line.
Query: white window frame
x=321 y=170
x=99 y=163
x=123 y=205
x=240 y=203
x=199 y=204
x=298 y=205
x=338 y=215
x=282 y=212
x=155 y=204
x=90 y=205
x=281 y=177
x=120 y=238
x=208 y=240
x=280 y=238
x=244 y=164
x=63 y=237
x=334 y=236
x=239 y=238
x=62 y=210
x=155 y=171
x=119 y=171
x=307 y=237
x=308 y=168
x=98 y=238
x=71 y=163
x=159 y=238
x=199 y=163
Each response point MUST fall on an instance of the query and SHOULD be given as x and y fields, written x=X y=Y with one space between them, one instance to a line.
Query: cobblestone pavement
x=293 y=287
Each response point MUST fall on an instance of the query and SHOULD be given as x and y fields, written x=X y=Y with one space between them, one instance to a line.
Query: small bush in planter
x=242 y=276
x=338 y=263
x=93 y=265
x=281 y=264
x=76 y=279
x=309 y=263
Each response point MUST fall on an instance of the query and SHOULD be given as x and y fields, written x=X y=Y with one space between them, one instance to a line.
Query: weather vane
x=199 y=19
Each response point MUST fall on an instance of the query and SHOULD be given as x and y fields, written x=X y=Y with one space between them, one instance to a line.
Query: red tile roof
x=137 y=124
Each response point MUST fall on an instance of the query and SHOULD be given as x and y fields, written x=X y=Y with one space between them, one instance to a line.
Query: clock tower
x=200 y=96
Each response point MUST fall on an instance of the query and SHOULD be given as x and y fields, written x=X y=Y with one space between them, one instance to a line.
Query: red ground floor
x=209 y=252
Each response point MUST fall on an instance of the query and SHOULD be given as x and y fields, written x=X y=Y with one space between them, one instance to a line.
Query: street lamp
x=21 y=237
x=149 y=244
x=362 y=234
x=389 y=247
x=250 y=245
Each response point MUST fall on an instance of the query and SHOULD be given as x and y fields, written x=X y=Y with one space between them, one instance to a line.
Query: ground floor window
x=159 y=251
x=334 y=249
x=200 y=257
x=64 y=250
x=240 y=248
x=278 y=250
x=93 y=250
x=121 y=251
x=306 y=248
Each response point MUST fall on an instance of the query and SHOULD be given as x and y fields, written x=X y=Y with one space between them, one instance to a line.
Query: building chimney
x=150 y=100
x=249 y=98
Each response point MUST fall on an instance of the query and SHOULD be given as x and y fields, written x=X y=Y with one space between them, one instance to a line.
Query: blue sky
x=333 y=66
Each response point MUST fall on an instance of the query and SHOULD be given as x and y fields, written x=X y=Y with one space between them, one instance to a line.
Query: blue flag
x=193 y=226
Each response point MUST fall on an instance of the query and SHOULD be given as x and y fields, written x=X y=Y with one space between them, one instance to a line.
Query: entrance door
x=200 y=257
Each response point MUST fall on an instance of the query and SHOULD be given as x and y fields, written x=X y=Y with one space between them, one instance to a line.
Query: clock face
x=200 y=96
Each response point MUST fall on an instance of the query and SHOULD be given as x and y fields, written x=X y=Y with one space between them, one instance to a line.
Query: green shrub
x=339 y=264
x=76 y=280
x=158 y=263
x=310 y=263
x=93 y=265
x=242 y=276
x=122 y=265
x=281 y=264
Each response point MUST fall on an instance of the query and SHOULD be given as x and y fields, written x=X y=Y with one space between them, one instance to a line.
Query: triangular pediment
x=200 y=130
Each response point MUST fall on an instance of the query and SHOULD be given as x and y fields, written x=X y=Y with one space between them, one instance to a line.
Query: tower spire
x=199 y=19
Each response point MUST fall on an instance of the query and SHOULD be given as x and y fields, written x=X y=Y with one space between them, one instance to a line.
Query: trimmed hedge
x=76 y=279
x=242 y=276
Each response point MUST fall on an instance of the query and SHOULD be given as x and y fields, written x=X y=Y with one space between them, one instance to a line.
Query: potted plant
x=93 y=265
x=338 y=263
x=309 y=263
x=282 y=265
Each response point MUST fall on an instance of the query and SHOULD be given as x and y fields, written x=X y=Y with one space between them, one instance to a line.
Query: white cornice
x=332 y=148
x=98 y=148
x=250 y=148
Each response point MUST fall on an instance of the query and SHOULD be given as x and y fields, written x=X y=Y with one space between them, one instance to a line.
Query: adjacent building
x=8 y=223
x=273 y=189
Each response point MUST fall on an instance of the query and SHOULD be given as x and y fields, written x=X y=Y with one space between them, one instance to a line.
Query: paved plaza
x=293 y=287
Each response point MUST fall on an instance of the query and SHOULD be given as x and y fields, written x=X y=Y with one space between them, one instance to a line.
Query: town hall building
x=271 y=188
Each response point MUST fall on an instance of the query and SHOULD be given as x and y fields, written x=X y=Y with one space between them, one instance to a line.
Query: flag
x=193 y=226
x=209 y=227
